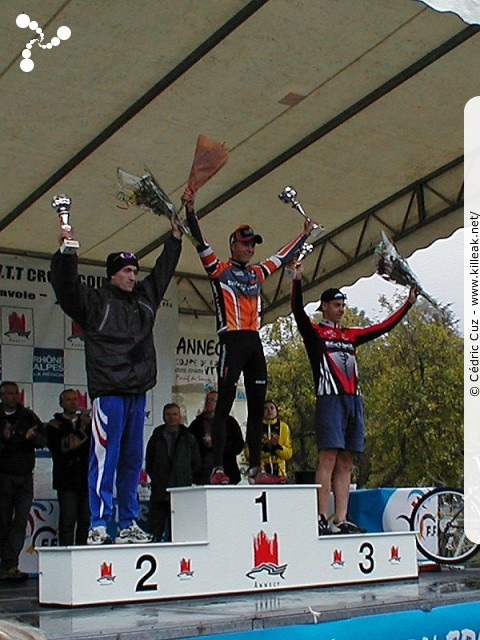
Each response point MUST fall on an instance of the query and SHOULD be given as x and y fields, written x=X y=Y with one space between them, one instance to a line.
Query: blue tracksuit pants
x=116 y=452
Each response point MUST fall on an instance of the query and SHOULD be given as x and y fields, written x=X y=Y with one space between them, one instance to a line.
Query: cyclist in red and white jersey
x=340 y=428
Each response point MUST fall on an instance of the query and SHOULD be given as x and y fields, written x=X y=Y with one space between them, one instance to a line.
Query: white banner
x=197 y=353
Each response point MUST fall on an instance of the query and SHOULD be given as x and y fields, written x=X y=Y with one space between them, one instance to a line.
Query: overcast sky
x=439 y=269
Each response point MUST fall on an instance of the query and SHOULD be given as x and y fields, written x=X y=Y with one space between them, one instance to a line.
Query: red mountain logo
x=17 y=325
x=185 y=569
x=265 y=556
x=77 y=332
x=338 y=560
x=106 y=574
x=394 y=555
x=82 y=400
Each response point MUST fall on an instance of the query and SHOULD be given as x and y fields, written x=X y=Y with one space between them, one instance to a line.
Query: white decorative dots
x=23 y=22
x=64 y=33
x=26 y=65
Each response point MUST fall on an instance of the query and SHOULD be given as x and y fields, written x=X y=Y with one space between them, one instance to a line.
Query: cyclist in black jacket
x=117 y=320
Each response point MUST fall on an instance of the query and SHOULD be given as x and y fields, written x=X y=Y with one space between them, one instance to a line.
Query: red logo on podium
x=265 y=556
x=106 y=574
x=185 y=569
x=338 y=561
x=395 y=555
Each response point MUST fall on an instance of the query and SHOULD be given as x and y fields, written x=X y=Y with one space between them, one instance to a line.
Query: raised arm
x=195 y=227
x=71 y=294
x=365 y=334
x=303 y=321
x=284 y=255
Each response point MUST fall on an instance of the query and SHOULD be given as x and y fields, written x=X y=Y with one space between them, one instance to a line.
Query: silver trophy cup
x=289 y=196
x=305 y=250
x=62 y=204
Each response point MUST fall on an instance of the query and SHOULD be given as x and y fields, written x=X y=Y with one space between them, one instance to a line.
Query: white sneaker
x=99 y=535
x=132 y=534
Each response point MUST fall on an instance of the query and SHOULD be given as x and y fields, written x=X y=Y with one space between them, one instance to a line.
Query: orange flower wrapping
x=210 y=156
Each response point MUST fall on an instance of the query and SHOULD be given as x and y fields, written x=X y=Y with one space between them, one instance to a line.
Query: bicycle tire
x=438 y=521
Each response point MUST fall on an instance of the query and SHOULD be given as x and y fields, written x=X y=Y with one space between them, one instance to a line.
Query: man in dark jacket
x=69 y=441
x=172 y=460
x=21 y=431
x=201 y=427
x=117 y=320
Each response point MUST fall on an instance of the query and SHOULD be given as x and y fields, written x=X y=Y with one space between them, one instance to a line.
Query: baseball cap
x=118 y=260
x=245 y=233
x=331 y=294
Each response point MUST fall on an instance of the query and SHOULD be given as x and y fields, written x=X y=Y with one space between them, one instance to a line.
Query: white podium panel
x=226 y=539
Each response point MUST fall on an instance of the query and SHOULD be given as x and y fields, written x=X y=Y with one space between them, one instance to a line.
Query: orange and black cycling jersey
x=236 y=286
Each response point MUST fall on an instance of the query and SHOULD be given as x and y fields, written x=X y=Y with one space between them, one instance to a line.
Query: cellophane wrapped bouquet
x=394 y=267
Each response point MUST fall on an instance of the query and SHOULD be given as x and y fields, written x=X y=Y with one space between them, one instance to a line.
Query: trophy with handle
x=289 y=196
x=62 y=204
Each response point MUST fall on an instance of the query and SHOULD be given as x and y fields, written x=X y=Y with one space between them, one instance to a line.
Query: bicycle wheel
x=438 y=520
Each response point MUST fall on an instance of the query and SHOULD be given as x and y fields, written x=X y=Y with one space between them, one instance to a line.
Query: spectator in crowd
x=69 y=436
x=276 y=442
x=201 y=428
x=172 y=460
x=21 y=432
x=117 y=319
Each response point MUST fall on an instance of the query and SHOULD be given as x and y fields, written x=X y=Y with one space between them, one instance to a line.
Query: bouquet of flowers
x=144 y=191
x=393 y=267
x=209 y=157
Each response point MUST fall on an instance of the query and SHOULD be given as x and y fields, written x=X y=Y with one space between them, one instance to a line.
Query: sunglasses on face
x=125 y=256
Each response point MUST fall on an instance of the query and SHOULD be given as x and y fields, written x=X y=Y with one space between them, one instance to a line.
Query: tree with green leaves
x=412 y=383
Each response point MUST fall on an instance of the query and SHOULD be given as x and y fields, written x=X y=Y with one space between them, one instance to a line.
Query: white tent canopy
x=468 y=10
x=359 y=105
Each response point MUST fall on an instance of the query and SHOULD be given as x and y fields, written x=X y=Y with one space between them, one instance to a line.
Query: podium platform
x=226 y=539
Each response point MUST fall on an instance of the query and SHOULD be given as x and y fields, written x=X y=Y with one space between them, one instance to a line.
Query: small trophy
x=62 y=204
x=288 y=196
x=305 y=250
